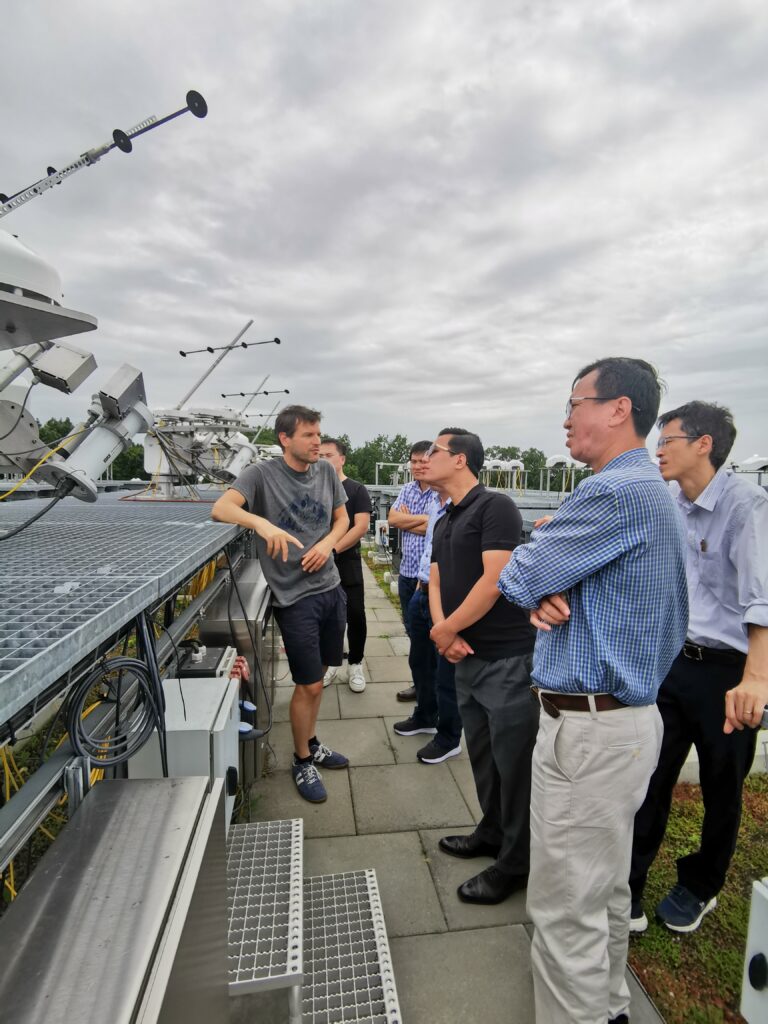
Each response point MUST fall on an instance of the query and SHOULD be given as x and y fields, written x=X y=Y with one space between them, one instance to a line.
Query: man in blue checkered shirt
x=605 y=582
x=410 y=515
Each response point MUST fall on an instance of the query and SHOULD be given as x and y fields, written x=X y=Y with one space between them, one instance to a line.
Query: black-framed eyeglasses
x=664 y=441
x=435 y=447
x=577 y=399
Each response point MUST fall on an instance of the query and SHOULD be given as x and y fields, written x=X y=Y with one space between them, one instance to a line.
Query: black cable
x=21 y=411
x=252 y=638
x=139 y=723
x=35 y=517
x=178 y=666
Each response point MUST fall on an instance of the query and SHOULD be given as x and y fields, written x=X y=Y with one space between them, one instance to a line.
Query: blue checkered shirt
x=419 y=503
x=615 y=548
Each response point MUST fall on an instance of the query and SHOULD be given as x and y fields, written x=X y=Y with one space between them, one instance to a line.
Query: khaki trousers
x=590 y=775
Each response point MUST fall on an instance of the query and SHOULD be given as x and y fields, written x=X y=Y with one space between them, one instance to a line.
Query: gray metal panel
x=82 y=572
x=348 y=974
x=80 y=940
x=264 y=892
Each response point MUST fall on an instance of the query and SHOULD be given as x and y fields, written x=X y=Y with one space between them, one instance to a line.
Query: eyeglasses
x=576 y=400
x=437 y=447
x=664 y=441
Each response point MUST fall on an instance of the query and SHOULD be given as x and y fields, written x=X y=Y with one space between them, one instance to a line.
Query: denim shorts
x=313 y=634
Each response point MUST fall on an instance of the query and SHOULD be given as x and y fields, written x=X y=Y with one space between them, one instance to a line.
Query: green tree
x=500 y=451
x=534 y=461
x=130 y=464
x=381 y=449
x=53 y=430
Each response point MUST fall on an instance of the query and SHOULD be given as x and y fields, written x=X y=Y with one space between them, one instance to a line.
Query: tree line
x=361 y=460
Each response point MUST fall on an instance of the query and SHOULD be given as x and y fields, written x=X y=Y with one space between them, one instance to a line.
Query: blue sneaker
x=682 y=911
x=327 y=758
x=308 y=782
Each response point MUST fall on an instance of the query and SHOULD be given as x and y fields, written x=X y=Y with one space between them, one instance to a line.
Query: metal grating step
x=264 y=895
x=348 y=973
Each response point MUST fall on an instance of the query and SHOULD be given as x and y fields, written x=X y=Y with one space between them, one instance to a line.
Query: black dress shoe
x=491 y=886
x=621 y=1019
x=409 y=694
x=467 y=846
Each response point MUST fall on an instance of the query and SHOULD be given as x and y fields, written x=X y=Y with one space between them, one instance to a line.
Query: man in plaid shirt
x=410 y=515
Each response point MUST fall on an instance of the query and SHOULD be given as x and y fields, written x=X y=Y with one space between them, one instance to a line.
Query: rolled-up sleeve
x=749 y=554
x=583 y=537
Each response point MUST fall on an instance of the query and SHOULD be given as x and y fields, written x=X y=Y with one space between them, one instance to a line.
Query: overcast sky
x=443 y=209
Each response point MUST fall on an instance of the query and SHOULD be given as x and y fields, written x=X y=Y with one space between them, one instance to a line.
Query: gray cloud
x=444 y=210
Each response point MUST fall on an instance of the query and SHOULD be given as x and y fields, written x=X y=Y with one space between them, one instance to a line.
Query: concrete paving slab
x=375 y=701
x=480 y=977
x=364 y=742
x=386 y=613
x=393 y=669
x=400 y=645
x=275 y=797
x=329 y=706
x=411 y=906
x=379 y=647
x=387 y=628
x=461 y=770
x=406 y=797
x=448 y=874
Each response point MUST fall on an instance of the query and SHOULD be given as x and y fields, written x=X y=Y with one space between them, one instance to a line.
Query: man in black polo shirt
x=491 y=643
x=350 y=564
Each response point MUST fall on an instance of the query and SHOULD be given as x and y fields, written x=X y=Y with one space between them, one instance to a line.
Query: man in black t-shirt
x=349 y=563
x=491 y=643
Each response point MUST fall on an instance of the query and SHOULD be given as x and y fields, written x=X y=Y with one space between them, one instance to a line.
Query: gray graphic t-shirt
x=302 y=504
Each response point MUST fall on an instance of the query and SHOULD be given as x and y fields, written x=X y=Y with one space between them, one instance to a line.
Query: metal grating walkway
x=348 y=972
x=76 y=577
x=264 y=894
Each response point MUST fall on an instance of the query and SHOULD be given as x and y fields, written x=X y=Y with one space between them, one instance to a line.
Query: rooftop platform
x=452 y=961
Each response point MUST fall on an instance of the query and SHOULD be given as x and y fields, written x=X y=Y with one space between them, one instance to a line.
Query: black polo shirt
x=349 y=562
x=482 y=521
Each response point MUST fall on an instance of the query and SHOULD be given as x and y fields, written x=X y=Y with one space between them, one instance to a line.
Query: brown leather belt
x=423 y=587
x=554 y=703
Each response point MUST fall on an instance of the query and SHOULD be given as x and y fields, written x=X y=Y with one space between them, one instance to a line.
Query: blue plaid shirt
x=419 y=503
x=615 y=547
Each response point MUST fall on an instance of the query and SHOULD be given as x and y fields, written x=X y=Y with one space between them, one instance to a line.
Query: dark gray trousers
x=501 y=719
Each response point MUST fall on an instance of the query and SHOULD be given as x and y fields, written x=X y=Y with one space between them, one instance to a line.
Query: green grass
x=696 y=979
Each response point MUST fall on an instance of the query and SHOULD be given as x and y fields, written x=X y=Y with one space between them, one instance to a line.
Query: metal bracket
x=77 y=782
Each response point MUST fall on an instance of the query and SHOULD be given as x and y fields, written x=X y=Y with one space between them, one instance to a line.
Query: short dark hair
x=419 y=448
x=699 y=418
x=291 y=416
x=464 y=442
x=341 y=448
x=619 y=376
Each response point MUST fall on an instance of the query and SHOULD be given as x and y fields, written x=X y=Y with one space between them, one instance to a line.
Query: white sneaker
x=356 y=678
x=330 y=675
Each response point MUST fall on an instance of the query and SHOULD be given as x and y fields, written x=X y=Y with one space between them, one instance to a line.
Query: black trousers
x=357 y=627
x=501 y=720
x=692 y=705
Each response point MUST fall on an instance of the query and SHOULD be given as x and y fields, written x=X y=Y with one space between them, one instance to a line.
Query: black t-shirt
x=348 y=562
x=482 y=521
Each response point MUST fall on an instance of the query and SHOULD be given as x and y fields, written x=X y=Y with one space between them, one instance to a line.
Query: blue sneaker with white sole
x=324 y=757
x=308 y=781
x=682 y=911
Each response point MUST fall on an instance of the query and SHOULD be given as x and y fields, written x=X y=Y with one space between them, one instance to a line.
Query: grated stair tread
x=348 y=974
x=265 y=897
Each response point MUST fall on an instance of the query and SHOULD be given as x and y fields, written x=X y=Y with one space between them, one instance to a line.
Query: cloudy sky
x=442 y=209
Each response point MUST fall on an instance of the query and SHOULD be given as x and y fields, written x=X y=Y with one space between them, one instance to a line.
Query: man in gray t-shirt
x=296 y=507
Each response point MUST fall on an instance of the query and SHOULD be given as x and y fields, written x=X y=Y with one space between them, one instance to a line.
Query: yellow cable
x=37 y=465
